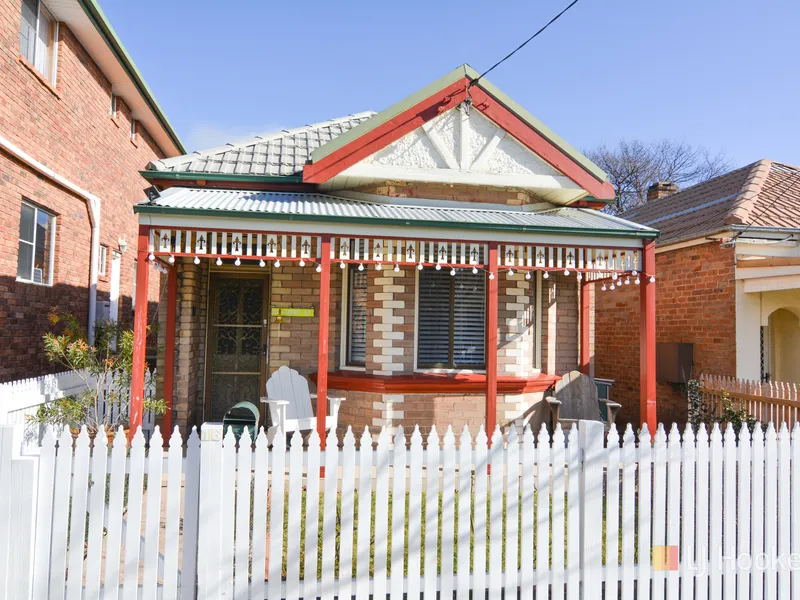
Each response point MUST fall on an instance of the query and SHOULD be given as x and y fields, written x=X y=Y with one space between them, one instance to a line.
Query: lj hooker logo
x=665 y=558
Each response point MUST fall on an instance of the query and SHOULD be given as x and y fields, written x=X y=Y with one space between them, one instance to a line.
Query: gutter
x=94 y=205
x=192 y=176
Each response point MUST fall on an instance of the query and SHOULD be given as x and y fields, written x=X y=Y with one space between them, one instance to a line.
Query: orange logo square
x=665 y=558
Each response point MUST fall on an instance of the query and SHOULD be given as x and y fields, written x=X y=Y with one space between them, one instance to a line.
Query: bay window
x=451 y=328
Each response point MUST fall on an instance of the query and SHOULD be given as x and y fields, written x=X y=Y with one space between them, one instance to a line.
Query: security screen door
x=237 y=342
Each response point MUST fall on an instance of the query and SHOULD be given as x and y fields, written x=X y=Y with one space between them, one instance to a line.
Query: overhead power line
x=523 y=44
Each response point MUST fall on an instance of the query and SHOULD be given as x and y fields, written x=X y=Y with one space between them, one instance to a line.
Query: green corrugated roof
x=317 y=207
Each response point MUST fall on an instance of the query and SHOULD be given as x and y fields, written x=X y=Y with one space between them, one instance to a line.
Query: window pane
x=469 y=323
x=26 y=220
x=357 y=322
x=45 y=50
x=433 y=338
x=41 y=258
x=27 y=29
x=24 y=260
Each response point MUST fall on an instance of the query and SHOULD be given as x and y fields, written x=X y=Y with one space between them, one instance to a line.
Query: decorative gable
x=460 y=147
x=462 y=130
x=438 y=145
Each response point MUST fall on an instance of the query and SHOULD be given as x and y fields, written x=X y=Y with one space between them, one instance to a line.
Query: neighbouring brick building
x=77 y=123
x=434 y=258
x=728 y=271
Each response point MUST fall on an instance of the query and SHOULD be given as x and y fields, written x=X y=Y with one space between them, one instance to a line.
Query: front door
x=237 y=342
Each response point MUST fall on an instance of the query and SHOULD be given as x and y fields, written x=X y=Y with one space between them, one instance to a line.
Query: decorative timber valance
x=278 y=246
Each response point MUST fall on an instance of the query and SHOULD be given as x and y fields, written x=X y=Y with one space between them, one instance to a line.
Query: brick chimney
x=660 y=189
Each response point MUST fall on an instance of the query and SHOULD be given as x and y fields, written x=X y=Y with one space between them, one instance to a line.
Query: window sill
x=133 y=143
x=29 y=282
x=435 y=371
x=115 y=120
x=353 y=368
x=42 y=79
x=431 y=383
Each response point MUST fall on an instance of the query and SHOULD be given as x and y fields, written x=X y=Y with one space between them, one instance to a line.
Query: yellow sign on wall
x=292 y=312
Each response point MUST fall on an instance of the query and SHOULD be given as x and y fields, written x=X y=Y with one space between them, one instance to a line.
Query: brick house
x=728 y=267
x=433 y=257
x=77 y=122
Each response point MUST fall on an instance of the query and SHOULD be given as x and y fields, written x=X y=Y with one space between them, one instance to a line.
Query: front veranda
x=424 y=331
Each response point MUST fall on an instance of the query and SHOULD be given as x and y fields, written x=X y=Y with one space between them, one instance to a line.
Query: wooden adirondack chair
x=290 y=405
x=576 y=398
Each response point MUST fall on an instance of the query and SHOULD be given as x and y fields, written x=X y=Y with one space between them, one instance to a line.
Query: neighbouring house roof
x=278 y=154
x=762 y=194
x=313 y=206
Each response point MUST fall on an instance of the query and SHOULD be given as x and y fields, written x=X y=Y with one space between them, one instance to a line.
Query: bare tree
x=632 y=166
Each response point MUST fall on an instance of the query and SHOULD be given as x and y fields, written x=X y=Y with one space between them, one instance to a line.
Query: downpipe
x=94 y=205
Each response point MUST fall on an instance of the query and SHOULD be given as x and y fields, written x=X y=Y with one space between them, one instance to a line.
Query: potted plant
x=105 y=367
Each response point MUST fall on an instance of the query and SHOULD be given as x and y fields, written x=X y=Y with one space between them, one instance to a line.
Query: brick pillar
x=387 y=303
x=191 y=309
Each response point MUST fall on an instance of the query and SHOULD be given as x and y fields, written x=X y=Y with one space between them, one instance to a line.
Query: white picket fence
x=562 y=517
x=21 y=399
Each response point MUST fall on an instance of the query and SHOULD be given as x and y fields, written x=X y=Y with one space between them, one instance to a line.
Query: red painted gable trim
x=385 y=134
x=441 y=101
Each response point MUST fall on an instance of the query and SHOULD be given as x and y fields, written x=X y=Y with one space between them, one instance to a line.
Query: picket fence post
x=590 y=438
x=6 y=435
x=210 y=512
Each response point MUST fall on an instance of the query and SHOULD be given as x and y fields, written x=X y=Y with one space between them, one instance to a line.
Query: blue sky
x=716 y=73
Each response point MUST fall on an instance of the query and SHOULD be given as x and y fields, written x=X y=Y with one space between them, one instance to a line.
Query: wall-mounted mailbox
x=674 y=362
x=292 y=312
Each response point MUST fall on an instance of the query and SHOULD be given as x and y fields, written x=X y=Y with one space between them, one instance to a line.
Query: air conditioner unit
x=103 y=313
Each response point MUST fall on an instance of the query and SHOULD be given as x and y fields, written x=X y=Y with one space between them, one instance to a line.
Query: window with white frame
x=356 y=346
x=38 y=38
x=37 y=236
x=451 y=320
x=112 y=111
x=133 y=129
x=102 y=259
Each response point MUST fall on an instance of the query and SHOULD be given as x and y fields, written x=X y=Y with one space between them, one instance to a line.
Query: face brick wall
x=293 y=340
x=559 y=323
x=695 y=303
x=447 y=191
x=68 y=128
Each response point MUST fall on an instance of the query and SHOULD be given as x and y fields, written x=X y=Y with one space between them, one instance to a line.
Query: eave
x=89 y=24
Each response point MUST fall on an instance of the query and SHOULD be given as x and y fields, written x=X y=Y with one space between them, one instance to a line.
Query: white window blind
x=451 y=329
x=357 y=317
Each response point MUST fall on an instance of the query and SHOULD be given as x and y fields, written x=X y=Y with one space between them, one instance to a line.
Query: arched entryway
x=784 y=346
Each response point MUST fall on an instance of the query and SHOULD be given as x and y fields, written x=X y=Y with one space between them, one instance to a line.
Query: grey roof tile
x=274 y=154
